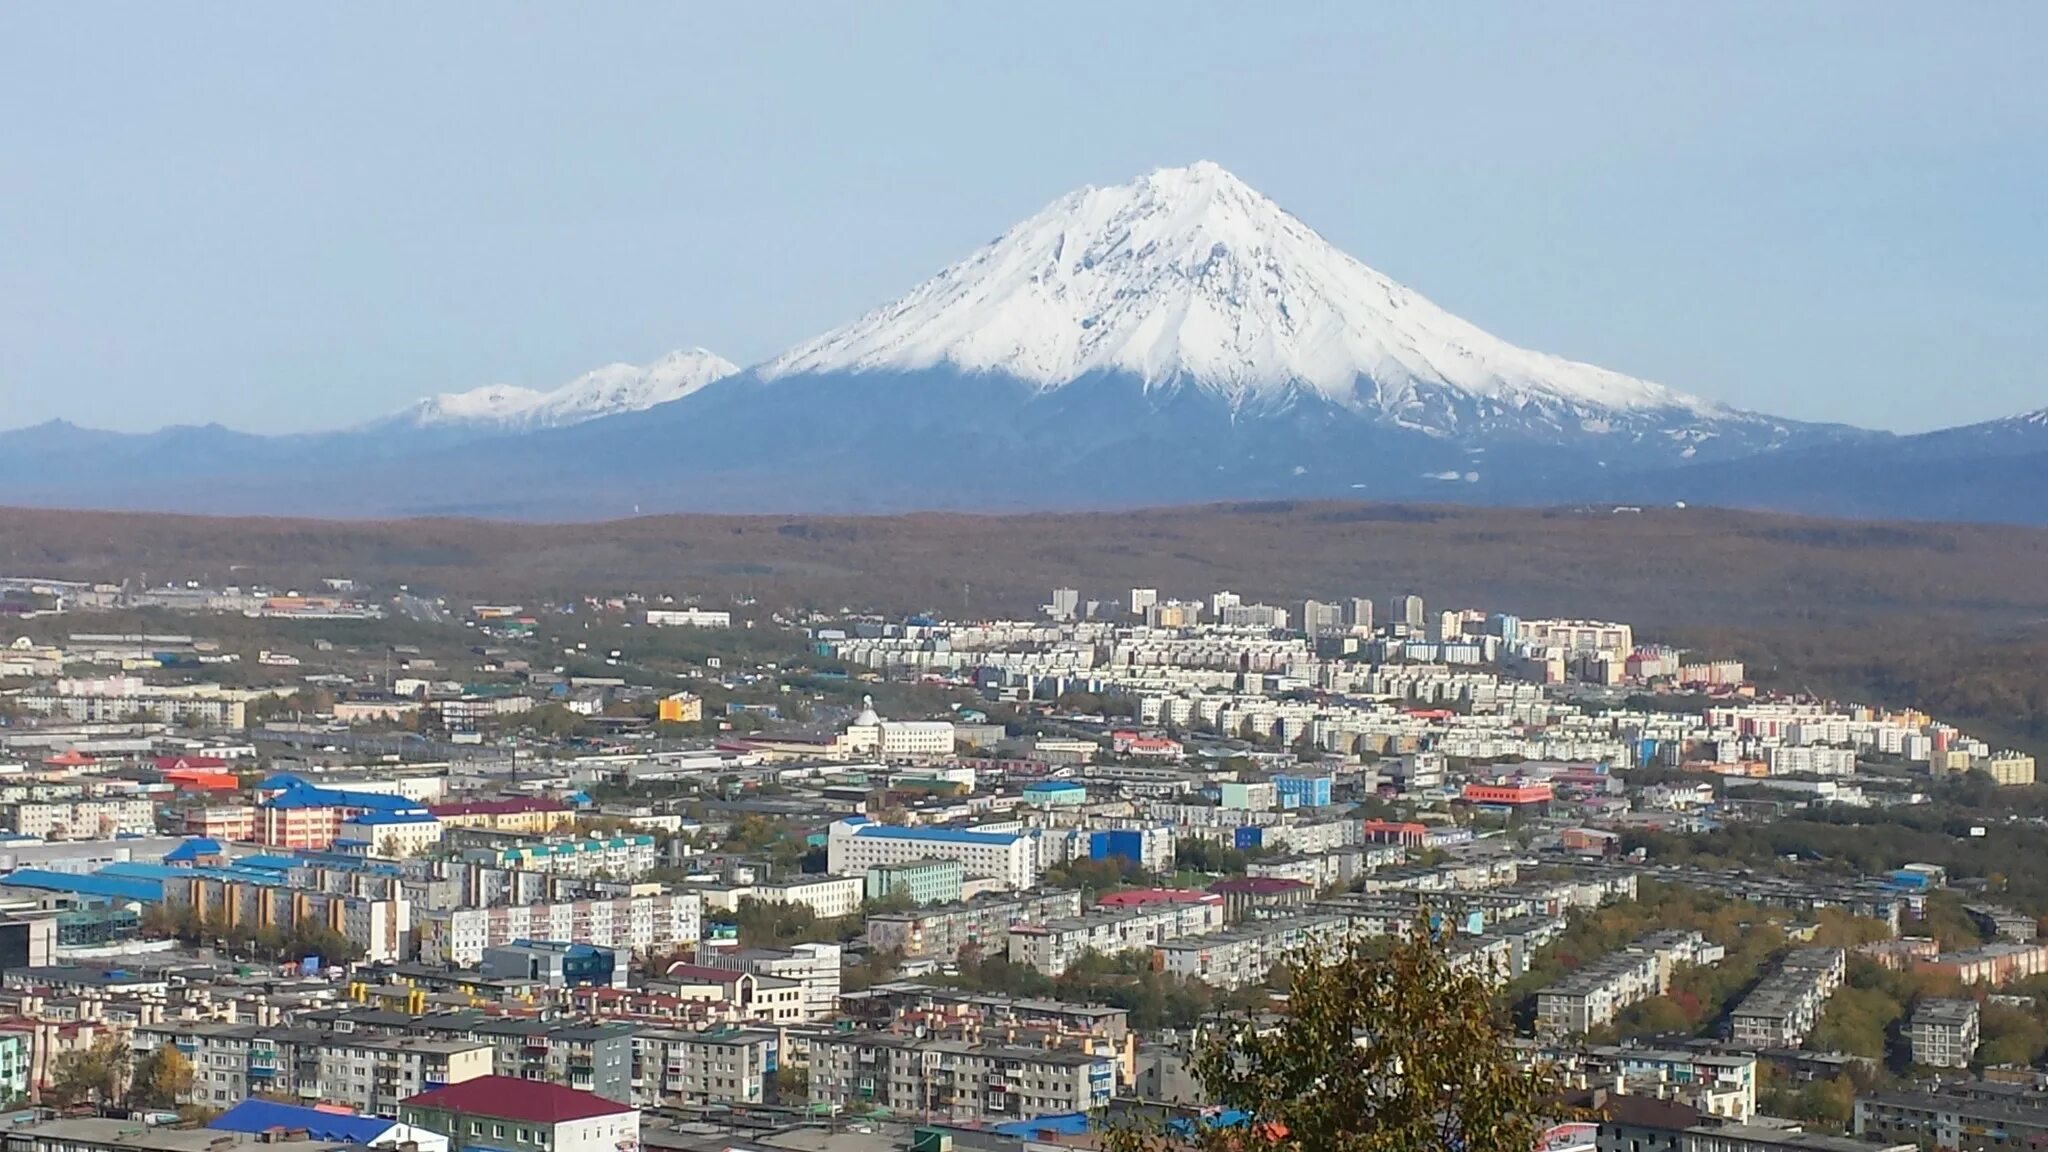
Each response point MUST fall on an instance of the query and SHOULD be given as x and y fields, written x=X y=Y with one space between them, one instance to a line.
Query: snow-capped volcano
x=604 y=391
x=1187 y=276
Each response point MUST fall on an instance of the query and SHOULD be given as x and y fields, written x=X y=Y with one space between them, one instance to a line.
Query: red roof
x=703 y=973
x=511 y=1098
x=1138 y=897
x=1256 y=885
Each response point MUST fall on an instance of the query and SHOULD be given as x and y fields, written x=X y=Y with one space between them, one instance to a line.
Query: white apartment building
x=630 y=923
x=623 y=857
x=85 y=819
x=1810 y=759
x=1052 y=946
x=827 y=896
x=1578 y=635
x=1786 y=1005
x=853 y=846
x=1237 y=957
x=688 y=618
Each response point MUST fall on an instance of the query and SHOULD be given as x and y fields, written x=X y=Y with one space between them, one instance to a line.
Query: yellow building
x=1944 y=763
x=537 y=815
x=682 y=708
x=2011 y=768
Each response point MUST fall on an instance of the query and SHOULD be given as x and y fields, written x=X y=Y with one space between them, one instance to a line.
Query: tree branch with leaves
x=1376 y=1051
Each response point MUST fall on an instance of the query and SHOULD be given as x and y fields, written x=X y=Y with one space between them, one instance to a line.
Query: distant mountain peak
x=604 y=391
x=1190 y=277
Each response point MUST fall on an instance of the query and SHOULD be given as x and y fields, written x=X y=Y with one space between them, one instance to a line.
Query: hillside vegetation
x=1947 y=616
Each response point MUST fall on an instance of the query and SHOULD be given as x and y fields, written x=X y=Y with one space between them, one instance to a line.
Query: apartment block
x=637 y=923
x=1944 y=1033
x=1993 y=964
x=1786 y=1005
x=853 y=846
x=625 y=857
x=721 y=1066
x=85 y=819
x=365 y=1072
x=1594 y=995
x=1052 y=946
x=984 y=922
x=951 y=1080
x=1242 y=956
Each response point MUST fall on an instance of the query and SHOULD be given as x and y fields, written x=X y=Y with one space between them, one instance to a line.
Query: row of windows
x=540 y=1137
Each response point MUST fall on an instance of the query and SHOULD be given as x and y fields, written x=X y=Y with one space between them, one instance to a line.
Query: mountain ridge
x=1176 y=339
x=604 y=391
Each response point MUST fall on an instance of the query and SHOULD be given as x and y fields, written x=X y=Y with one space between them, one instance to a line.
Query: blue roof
x=1062 y=1123
x=294 y=792
x=194 y=848
x=1054 y=786
x=262 y=1115
x=1228 y=1118
x=267 y=863
x=937 y=835
x=138 y=870
x=106 y=887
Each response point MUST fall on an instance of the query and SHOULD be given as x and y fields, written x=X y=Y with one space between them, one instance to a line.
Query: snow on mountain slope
x=603 y=391
x=1187 y=276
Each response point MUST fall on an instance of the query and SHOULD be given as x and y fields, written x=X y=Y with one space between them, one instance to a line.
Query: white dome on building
x=867 y=717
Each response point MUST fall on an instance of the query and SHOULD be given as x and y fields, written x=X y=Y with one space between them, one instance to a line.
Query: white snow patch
x=1188 y=276
x=600 y=392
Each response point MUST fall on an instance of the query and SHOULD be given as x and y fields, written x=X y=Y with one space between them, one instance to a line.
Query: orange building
x=201 y=779
x=233 y=822
x=309 y=827
x=1391 y=832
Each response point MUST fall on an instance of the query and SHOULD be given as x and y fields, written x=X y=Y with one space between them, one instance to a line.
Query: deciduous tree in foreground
x=1393 y=1053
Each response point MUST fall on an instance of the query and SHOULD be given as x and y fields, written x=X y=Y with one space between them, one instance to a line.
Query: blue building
x=555 y=963
x=1303 y=791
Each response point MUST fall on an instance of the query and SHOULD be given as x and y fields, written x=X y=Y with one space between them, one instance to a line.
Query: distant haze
x=297 y=218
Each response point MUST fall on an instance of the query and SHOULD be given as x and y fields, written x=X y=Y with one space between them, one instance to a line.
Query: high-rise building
x=1253 y=616
x=1142 y=599
x=1409 y=610
x=1218 y=601
x=1361 y=614
x=1320 y=619
x=1065 y=602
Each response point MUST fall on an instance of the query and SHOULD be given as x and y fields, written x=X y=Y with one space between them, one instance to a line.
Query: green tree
x=1374 y=1055
x=1657 y=1016
x=2012 y=1036
x=162 y=1078
x=791 y=1085
x=96 y=1074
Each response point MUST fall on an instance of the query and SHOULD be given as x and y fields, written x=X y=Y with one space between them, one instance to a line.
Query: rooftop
x=320 y=1124
x=513 y=1098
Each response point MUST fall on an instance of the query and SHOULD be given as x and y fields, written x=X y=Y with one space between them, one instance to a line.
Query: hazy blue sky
x=293 y=216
